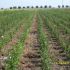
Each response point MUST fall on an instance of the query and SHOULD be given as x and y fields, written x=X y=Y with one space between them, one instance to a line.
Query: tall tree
x=11 y=8
x=50 y=6
x=19 y=7
x=1 y=8
x=23 y=7
x=62 y=6
x=14 y=7
x=37 y=7
x=32 y=7
x=41 y=6
x=28 y=7
x=45 y=6
x=67 y=6
x=59 y=6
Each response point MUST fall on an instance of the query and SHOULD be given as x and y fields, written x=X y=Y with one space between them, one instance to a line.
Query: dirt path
x=56 y=53
x=4 y=52
x=31 y=59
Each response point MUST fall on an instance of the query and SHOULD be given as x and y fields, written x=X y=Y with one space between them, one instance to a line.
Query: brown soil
x=4 y=52
x=56 y=52
x=31 y=59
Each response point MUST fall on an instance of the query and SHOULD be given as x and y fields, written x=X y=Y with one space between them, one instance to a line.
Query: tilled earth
x=31 y=58
x=4 y=52
x=57 y=54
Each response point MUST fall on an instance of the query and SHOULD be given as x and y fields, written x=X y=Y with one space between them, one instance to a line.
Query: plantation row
x=12 y=24
x=53 y=28
x=58 y=24
x=10 y=21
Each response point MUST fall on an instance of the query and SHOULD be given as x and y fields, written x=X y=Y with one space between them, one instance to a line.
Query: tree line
x=19 y=7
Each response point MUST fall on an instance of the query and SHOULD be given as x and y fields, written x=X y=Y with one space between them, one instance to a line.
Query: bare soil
x=56 y=52
x=31 y=59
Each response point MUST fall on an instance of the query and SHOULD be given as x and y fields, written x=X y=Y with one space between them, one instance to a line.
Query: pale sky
x=54 y=3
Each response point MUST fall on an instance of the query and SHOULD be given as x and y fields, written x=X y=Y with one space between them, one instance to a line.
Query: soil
x=31 y=59
x=56 y=52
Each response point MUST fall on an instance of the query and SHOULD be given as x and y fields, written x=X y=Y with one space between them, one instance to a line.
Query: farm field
x=35 y=39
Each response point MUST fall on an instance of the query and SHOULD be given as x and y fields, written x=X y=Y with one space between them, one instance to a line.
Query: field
x=35 y=39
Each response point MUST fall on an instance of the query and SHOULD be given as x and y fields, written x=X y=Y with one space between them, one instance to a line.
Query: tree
x=41 y=6
x=10 y=7
x=32 y=7
x=36 y=6
x=59 y=6
x=67 y=6
x=14 y=7
x=62 y=6
x=23 y=7
x=45 y=6
x=1 y=8
x=50 y=6
x=27 y=6
x=19 y=7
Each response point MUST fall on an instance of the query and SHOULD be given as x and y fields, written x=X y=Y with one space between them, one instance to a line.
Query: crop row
x=10 y=22
x=15 y=54
x=55 y=27
x=46 y=61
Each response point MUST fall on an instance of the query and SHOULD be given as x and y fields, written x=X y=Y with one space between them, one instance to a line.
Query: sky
x=54 y=3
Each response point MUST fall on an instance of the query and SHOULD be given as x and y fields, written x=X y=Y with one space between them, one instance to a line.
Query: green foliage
x=15 y=54
x=58 y=22
x=46 y=62
x=10 y=22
